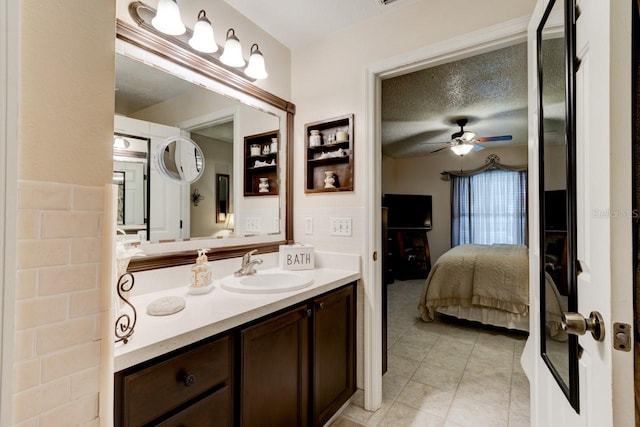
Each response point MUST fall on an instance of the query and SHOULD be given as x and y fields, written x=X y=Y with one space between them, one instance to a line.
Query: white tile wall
x=57 y=340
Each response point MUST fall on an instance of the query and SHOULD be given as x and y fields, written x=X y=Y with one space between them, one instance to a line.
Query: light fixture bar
x=143 y=14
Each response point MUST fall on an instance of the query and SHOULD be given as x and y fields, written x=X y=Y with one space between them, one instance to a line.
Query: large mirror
x=166 y=94
x=557 y=212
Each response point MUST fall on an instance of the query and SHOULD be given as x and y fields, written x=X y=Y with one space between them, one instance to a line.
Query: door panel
x=603 y=222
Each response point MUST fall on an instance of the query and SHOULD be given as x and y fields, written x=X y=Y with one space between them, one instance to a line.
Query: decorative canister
x=263 y=187
x=255 y=149
x=274 y=145
x=342 y=136
x=329 y=179
x=315 y=138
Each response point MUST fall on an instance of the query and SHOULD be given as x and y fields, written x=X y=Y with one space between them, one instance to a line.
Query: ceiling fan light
x=167 y=19
x=203 y=39
x=232 y=54
x=467 y=136
x=462 y=149
x=256 y=68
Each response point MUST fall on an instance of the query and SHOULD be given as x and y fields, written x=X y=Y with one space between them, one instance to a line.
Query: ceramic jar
x=330 y=179
x=263 y=187
x=342 y=136
x=274 y=145
x=315 y=139
x=254 y=150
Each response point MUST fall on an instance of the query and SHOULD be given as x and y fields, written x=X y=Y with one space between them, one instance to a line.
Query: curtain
x=489 y=207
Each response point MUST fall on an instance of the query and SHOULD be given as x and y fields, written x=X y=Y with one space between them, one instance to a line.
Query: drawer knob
x=189 y=379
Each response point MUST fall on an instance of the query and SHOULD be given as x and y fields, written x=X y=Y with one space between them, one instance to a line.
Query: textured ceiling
x=419 y=110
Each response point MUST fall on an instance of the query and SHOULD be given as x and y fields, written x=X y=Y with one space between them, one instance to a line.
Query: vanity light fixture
x=256 y=68
x=462 y=149
x=120 y=143
x=203 y=39
x=232 y=54
x=167 y=24
x=167 y=19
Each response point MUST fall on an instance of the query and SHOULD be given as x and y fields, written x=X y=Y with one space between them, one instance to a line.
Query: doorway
x=485 y=40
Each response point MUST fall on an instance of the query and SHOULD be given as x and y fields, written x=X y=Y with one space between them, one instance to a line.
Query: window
x=489 y=207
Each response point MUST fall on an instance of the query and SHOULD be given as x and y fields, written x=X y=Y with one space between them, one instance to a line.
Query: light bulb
x=256 y=68
x=203 y=39
x=167 y=19
x=232 y=54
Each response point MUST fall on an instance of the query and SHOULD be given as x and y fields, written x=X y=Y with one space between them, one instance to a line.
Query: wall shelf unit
x=332 y=155
x=261 y=164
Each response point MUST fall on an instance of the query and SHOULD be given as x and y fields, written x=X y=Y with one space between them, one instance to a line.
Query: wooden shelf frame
x=342 y=166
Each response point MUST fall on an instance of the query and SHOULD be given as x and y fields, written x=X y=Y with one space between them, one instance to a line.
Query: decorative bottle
x=201 y=271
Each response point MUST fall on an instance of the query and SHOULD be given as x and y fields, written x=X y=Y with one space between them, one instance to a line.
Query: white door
x=604 y=227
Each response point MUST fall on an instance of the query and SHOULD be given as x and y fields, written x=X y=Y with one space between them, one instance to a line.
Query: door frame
x=9 y=83
x=474 y=43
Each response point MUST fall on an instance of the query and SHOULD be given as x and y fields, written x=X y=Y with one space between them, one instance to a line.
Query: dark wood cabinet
x=261 y=164
x=292 y=368
x=409 y=255
x=298 y=368
x=334 y=352
x=274 y=371
x=156 y=392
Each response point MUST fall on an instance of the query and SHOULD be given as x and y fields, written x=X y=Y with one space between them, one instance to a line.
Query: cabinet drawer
x=153 y=391
x=212 y=411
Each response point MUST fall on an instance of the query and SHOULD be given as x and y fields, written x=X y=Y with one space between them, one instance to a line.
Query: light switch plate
x=308 y=225
x=340 y=226
x=253 y=224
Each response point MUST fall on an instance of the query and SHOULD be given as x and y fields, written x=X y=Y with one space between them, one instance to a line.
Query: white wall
x=329 y=79
x=421 y=175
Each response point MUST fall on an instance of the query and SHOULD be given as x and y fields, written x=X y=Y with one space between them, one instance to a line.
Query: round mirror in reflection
x=179 y=159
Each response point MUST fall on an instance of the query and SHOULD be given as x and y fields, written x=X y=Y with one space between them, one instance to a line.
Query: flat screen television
x=408 y=211
x=555 y=210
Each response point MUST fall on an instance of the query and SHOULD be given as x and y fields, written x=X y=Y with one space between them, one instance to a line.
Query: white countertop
x=212 y=313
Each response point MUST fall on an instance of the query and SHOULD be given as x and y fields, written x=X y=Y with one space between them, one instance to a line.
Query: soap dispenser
x=201 y=274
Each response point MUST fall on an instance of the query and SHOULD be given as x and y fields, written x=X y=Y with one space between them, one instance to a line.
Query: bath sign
x=297 y=257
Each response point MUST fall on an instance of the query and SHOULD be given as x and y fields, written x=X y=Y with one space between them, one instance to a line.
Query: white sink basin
x=266 y=282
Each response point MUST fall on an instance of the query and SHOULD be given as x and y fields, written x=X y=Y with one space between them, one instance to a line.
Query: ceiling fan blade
x=440 y=149
x=477 y=147
x=437 y=143
x=494 y=138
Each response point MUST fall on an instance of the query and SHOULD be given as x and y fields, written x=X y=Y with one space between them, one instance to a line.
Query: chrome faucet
x=247 y=264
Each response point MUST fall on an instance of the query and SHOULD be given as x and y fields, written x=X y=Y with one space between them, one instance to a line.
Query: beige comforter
x=494 y=276
x=488 y=276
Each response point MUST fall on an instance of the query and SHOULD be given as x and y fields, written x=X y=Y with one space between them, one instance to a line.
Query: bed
x=487 y=284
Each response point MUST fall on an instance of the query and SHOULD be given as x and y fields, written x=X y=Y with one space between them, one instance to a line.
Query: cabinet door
x=333 y=352
x=274 y=371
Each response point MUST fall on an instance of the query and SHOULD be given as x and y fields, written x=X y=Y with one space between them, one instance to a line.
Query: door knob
x=576 y=324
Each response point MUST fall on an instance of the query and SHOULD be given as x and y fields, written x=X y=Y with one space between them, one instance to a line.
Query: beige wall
x=329 y=80
x=65 y=130
x=421 y=175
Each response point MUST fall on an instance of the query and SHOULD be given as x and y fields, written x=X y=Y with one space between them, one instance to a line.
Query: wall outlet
x=308 y=225
x=253 y=224
x=340 y=226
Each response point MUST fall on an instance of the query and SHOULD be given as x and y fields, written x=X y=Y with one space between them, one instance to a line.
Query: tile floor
x=444 y=373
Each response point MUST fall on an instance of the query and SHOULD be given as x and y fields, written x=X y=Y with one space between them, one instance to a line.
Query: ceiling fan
x=462 y=142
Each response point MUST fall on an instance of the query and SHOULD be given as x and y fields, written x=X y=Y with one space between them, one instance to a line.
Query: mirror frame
x=570 y=390
x=199 y=64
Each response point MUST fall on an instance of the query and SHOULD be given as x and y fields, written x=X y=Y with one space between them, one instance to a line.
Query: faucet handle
x=246 y=258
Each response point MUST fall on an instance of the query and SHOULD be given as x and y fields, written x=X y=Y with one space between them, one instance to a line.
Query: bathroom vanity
x=242 y=359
